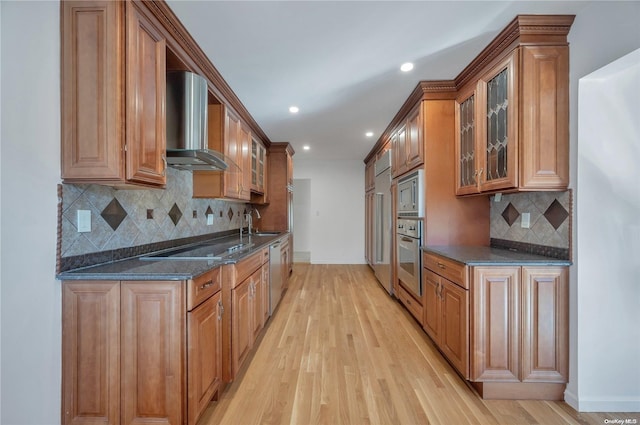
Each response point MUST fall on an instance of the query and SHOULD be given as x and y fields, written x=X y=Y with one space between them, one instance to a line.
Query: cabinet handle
x=221 y=310
x=206 y=285
x=442 y=266
x=164 y=162
x=480 y=172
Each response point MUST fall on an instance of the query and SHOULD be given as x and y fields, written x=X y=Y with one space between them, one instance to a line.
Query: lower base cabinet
x=140 y=352
x=204 y=355
x=507 y=333
x=247 y=283
x=446 y=319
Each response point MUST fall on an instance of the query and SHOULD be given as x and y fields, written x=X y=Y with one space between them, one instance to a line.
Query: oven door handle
x=405 y=239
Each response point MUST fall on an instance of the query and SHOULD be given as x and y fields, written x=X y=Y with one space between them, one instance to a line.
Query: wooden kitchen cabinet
x=153 y=336
x=495 y=317
x=512 y=115
x=113 y=95
x=247 y=287
x=503 y=328
x=228 y=135
x=140 y=351
x=370 y=175
x=258 y=166
x=242 y=319
x=408 y=144
x=90 y=352
x=519 y=332
x=204 y=350
x=277 y=214
x=446 y=313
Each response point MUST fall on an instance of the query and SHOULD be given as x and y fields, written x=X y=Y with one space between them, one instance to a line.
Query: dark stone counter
x=487 y=256
x=141 y=268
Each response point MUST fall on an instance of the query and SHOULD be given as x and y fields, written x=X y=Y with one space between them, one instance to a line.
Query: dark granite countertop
x=487 y=256
x=139 y=268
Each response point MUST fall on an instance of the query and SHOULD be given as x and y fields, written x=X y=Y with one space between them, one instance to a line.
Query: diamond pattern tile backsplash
x=550 y=218
x=125 y=218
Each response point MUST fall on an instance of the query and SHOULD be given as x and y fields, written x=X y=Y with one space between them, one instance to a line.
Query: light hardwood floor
x=339 y=350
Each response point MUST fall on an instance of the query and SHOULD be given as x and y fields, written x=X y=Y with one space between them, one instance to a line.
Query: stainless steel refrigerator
x=382 y=221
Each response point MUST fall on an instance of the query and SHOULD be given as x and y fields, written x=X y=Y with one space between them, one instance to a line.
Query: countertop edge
x=488 y=256
x=197 y=267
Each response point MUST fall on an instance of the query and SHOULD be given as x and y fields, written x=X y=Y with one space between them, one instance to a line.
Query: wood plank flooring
x=339 y=350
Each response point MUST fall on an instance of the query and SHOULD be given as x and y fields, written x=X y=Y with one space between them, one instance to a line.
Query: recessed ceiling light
x=406 y=67
x=293 y=109
x=369 y=134
x=306 y=147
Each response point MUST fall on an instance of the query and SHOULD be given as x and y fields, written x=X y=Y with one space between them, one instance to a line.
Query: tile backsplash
x=125 y=218
x=550 y=218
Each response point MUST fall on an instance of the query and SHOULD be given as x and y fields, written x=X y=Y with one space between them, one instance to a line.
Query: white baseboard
x=618 y=405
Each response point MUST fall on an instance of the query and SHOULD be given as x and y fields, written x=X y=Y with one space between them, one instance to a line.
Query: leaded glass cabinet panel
x=498 y=148
x=466 y=161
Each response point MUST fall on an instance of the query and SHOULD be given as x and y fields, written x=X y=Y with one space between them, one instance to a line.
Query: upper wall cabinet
x=407 y=144
x=226 y=134
x=512 y=111
x=113 y=95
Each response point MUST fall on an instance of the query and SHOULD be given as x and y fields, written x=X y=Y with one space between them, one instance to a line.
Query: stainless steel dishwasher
x=275 y=273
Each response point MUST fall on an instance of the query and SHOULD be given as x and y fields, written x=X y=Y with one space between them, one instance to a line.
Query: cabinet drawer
x=246 y=267
x=202 y=287
x=452 y=270
x=414 y=307
x=265 y=255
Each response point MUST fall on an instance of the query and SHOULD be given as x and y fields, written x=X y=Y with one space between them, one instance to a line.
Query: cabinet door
x=92 y=107
x=145 y=108
x=494 y=324
x=545 y=324
x=454 y=336
x=265 y=292
x=414 y=144
x=544 y=132
x=466 y=143
x=241 y=323
x=399 y=153
x=244 y=145
x=432 y=313
x=257 y=316
x=91 y=352
x=498 y=148
x=204 y=355
x=153 y=342
x=258 y=153
x=232 y=147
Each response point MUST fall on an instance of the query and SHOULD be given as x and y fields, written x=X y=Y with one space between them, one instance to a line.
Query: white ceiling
x=338 y=61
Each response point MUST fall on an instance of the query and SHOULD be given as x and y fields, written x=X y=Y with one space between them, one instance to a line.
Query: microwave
x=411 y=195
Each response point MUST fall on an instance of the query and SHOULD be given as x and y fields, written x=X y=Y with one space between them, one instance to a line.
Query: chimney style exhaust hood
x=186 y=115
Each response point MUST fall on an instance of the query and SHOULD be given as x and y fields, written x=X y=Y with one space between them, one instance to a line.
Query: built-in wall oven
x=410 y=211
x=408 y=256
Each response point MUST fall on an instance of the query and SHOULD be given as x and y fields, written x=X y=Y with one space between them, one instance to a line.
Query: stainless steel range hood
x=186 y=112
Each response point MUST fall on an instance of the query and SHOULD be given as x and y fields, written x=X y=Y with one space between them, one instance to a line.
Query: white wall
x=337 y=209
x=601 y=33
x=609 y=238
x=30 y=170
x=301 y=220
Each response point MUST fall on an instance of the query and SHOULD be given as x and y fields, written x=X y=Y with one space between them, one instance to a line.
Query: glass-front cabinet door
x=498 y=128
x=466 y=143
